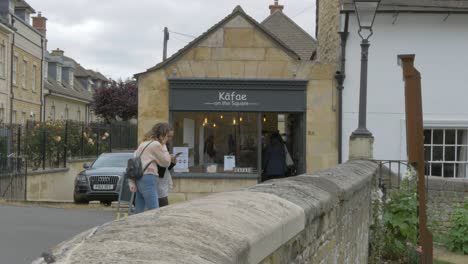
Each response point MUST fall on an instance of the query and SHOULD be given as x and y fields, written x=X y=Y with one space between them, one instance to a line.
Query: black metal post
x=18 y=157
x=44 y=142
x=65 y=145
x=339 y=77
x=82 y=140
x=128 y=138
x=110 y=137
x=18 y=143
x=362 y=130
x=97 y=141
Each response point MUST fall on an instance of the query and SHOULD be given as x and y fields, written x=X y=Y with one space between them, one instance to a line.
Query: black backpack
x=135 y=168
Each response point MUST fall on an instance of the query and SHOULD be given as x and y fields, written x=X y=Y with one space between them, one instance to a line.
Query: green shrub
x=400 y=220
x=457 y=237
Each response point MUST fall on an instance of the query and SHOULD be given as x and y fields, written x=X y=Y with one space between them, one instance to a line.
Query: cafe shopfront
x=230 y=89
x=222 y=126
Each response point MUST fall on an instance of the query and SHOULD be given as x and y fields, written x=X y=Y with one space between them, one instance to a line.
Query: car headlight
x=82 y=178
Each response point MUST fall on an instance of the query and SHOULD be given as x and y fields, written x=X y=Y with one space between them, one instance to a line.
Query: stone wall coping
x=447 y=184
x=47 y=171
x=242 y=226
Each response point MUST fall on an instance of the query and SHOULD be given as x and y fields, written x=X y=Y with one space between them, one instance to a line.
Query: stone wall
x=5 y=83
x=54 y=185
x=443 y=196
x=320 y=218
x=60 y=103
x=186 y=189
x=26 y=99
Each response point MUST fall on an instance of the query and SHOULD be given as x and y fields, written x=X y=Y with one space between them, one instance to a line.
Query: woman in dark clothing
x=275 y=158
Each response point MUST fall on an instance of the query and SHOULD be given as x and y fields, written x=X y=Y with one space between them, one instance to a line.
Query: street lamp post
x=365 y=12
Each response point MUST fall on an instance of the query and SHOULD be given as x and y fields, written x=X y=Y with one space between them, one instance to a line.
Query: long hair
x=159 y=130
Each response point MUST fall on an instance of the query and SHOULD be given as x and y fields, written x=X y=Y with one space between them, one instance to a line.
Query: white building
x=437 y=33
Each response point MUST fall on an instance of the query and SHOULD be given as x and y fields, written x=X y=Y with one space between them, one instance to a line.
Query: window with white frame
x=59 y=73
x=34 y=78
x=24 y=74
x=446 y=152
x=2 y=60
x=15 y=69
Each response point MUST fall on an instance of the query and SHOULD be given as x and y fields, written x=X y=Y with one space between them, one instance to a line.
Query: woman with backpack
x=152 y=152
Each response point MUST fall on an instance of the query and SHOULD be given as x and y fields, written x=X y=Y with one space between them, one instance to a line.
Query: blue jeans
x=146 y=195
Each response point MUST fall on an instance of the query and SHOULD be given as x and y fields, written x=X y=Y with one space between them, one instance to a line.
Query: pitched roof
x=238 y=11
x=292 y=34
x=96 y=75
x=77 y=91
x=81 y=72
x=24 y=5
x=452 y=6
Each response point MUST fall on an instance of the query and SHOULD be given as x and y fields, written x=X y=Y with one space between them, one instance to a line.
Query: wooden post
x=415 y=146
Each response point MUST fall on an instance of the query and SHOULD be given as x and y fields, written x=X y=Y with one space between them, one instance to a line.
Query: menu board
x=229 y=163
x=182 y=164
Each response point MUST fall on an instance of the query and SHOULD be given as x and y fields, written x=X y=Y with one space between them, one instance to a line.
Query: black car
x=102 y=180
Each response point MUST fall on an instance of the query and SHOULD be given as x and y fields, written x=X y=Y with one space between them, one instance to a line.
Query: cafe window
x=216 y=142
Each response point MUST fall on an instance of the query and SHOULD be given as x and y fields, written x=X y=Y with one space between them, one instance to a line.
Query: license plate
x=103 y=187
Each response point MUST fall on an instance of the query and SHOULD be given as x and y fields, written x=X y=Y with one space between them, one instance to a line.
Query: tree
x=119 y=100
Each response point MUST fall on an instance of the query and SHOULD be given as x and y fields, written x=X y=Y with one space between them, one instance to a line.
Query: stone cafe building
x=228 y=90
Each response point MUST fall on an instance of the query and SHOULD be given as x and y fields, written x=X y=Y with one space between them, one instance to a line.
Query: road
x=27 y=231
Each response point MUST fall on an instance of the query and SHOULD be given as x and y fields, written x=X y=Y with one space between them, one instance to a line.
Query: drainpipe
x=12 y=95
x=43 y=103
x=45 y=106
x=340 y=77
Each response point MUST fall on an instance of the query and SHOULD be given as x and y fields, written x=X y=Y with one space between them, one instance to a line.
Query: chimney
x=40 y=23
x=274 y=8
x=57 y=52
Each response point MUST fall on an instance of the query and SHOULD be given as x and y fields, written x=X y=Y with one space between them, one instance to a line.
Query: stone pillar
x=361 y=147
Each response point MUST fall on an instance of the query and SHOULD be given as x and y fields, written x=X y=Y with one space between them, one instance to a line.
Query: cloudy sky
x=122 y=37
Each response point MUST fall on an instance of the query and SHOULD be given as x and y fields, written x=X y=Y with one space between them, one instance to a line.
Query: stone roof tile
x=291 y=34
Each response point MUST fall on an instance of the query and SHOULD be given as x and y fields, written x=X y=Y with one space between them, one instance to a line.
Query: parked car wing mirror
x=86 y=166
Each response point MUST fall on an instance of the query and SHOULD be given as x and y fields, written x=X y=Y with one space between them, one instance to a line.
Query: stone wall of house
x=27 y=98
x=239 y=50
x=186 y=189
x=319 y=218
x=5 y=82
x=60 y=105
x=444 y=194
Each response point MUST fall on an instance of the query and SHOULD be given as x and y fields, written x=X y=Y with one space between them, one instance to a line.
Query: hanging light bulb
x=206 y=120
x=214 y=125
x=264 y=118
x=240 y=119
x=221 y=116
x=234 y=121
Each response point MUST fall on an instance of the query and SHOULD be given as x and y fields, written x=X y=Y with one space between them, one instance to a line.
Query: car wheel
x=79 y=200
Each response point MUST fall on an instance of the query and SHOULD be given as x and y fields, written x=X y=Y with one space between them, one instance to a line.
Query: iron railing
x=50 y=144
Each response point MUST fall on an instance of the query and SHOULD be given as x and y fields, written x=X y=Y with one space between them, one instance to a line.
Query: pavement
x=449 y=257
x=27 y=230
